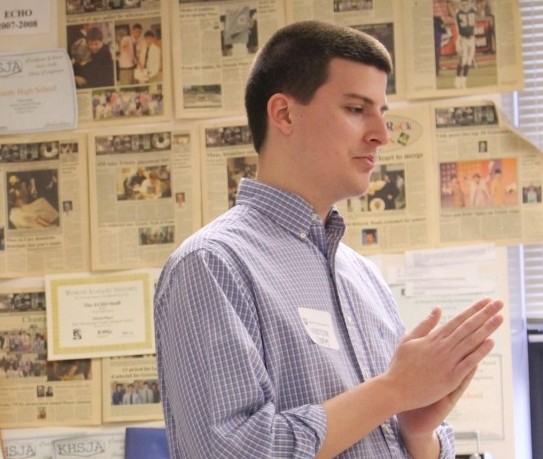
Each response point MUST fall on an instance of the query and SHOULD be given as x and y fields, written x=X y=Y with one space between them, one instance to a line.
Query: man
x=132 y=184
x=130 y=47
x=98 y=71
x=480 y=196
x=369 y=237
x=498 y=189
x=442 y=17
x=145 y=393
x=455 y=189
x=149 y=65
x=118 y=395
x=131 y=397
x=274 y=339
x=466 y=21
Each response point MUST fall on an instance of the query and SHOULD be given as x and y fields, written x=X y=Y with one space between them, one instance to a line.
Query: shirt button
x=349 y=320
x=303 y=235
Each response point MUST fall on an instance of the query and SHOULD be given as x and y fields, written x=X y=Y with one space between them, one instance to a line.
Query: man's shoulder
x=221 y=244
x=225 y=232
x=354 y=258
x=104 y=53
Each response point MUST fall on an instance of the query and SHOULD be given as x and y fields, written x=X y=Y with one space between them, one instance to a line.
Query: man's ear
x=279 y=113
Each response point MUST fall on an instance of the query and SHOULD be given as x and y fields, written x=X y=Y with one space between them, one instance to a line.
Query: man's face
x=464 y=5
x=136 y=33
x=94 y=46
x=340 y=130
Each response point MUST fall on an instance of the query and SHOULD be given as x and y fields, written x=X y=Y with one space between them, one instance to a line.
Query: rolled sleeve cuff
x=445 y=435
x=312 y=418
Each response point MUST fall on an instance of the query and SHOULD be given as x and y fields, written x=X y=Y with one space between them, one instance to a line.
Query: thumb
x=426 y=325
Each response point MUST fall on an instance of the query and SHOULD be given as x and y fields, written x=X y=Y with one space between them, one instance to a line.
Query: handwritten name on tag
x=319 y=327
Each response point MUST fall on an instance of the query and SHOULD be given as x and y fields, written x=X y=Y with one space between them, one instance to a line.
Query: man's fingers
x=475 y=316
x=476 y=329
x=426 y=325
x=456 y=321
x=474 y=358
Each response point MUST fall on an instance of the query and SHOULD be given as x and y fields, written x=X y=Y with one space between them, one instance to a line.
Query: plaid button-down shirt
x=240 y=311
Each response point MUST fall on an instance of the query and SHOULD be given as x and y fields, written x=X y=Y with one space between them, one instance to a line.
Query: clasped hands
x=434 y=365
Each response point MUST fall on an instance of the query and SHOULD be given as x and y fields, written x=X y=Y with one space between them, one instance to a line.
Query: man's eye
x=356 y=110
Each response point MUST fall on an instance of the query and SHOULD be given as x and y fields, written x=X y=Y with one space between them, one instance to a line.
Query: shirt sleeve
x=219 y=399
x=446 y=439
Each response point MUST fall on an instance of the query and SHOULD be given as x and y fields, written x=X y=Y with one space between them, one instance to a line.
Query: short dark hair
x=295 y=61
x=149 y=33
x=137 y=26
x=95 y=34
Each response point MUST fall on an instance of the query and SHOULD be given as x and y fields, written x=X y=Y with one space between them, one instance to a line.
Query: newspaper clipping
x=490 y=178
x=44 y=210
x=130 y=389
x=229 y=157
x=145 y=195
x=452 y=172
x=460 y=46
x=214 y=45
x=36 y=392
x=380 y=19
x=120 y=52
x=395 y=212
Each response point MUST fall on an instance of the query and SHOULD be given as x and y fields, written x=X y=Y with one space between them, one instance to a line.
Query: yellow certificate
x=99 y=315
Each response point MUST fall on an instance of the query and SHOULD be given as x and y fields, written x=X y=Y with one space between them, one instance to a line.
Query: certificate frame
x=99 y=315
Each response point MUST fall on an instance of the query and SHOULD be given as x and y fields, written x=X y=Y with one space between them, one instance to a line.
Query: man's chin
x=361 y=191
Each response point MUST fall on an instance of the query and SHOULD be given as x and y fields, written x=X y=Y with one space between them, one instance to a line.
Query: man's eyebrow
x=367 y=100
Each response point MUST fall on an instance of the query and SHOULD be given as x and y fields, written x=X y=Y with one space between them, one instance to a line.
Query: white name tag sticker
x=319 y=327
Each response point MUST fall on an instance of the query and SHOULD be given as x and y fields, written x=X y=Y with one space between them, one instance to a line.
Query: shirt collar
x=287 y=209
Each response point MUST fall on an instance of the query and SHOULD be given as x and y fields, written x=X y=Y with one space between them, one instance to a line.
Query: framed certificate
x=99 y=315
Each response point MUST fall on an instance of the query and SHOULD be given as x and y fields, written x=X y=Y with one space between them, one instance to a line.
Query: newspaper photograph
x=120 y=54
x=145 y=195
x=381 y=19
x=229 y=157
x=460 y=46
x=214 y=44
x=130 y=389
x=36 y=392
x=395 y=213
x=43 y=204
x=490 y=177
